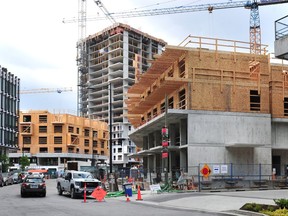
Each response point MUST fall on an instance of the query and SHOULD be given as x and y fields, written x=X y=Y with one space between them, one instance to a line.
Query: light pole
x=112 y=180
x=110 y=127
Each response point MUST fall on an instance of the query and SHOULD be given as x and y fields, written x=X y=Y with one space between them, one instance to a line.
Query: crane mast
x=81 y=56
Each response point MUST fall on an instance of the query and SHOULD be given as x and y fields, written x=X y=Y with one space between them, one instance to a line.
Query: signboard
x=164 y=154
x=155 y=187
x=99 y=193
x=216 y=169
x=224 y=169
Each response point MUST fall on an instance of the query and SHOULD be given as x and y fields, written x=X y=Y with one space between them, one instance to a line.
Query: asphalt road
x=54 y=205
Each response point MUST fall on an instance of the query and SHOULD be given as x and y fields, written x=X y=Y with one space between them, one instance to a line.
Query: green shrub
x=282 y=203
x=277 y=212
x=252 y=207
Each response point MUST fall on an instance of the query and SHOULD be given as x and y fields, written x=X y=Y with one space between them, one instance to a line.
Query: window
x=27 y=140
x=181 y=66
x=43 y=150
x=154 y=112
x=95 y=143
x=42 y=129
x=42 y=140
x=119 y=150
x=114 y=150
x=86 y=142
x=43 y=118
x=26 y=129
x=119 y=157
x=286 y=106
x=70 y=129
x=58 y=140
x=26 y=150
x=254 y=100
x=182 y=101
x=74 y=139
x=149 y=116
x=27 y=118
x=171 y=103
x=102 y=144
x=86 y=151
x=58 y=129
x=95 y=134
x=77 y=130
x=86 y=132
x=57 y=150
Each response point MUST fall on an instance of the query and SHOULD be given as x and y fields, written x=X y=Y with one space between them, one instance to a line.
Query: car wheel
x=6 y=183
x=44 y=194
x=72 y=193
x=60 y=191
x=2 y=184
x=22 y=194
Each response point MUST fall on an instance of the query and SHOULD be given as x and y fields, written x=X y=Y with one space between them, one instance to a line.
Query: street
x=53 y=204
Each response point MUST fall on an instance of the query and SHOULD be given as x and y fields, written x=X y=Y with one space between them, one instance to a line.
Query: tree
x=24 y=161
x=4 y=159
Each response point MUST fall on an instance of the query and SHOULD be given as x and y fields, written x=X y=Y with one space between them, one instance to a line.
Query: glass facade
x=9 y=108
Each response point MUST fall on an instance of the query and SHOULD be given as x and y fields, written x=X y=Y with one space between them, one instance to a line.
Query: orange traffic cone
x=139 y=194
x=127 y=198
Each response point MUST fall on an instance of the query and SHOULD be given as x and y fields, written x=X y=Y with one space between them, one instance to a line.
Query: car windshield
x=82 y=175
x=34 y=180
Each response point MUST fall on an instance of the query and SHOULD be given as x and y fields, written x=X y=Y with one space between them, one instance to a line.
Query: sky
x=37 y=47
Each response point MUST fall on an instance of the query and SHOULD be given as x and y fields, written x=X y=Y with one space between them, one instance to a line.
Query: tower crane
x=45 y=90
x=255 y=31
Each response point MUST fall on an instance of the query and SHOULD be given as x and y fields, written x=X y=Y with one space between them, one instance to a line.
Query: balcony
x=281 y=38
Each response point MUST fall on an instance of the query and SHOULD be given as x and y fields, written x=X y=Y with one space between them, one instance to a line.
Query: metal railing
x=281 y=28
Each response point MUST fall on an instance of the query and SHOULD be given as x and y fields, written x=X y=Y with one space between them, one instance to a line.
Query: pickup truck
x=74 y=182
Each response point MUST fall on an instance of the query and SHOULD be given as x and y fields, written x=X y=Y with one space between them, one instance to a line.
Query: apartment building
x=116 y=56
x=224 y=106
x=9 y=101
x=53 y=139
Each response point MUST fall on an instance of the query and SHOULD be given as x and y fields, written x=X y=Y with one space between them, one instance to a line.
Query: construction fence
x=206 y=177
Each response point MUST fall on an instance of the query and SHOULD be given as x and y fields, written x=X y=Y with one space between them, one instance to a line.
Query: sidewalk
x=221 y=202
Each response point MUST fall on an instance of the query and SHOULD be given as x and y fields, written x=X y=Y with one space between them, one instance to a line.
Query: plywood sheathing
x=219 y=84
x=278 y=89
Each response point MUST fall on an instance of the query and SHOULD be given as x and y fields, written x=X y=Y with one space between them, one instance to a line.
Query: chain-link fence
x=212 y=176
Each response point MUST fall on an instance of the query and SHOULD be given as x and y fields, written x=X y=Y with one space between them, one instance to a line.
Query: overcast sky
x=41 y=50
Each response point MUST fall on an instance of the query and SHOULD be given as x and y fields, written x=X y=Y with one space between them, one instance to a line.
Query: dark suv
x=33 y=184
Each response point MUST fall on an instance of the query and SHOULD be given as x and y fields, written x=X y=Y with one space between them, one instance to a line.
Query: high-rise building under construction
x=115 y=57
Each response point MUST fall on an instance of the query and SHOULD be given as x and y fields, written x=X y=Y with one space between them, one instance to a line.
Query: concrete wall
x=280 y=135
x=225 y=137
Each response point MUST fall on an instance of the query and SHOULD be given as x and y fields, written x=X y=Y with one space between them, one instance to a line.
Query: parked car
x=8 y=179
x=1 y=180
x=16 y=178
x=33 y=184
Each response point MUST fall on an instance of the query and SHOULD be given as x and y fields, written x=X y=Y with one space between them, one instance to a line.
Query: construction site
x=215 y=109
